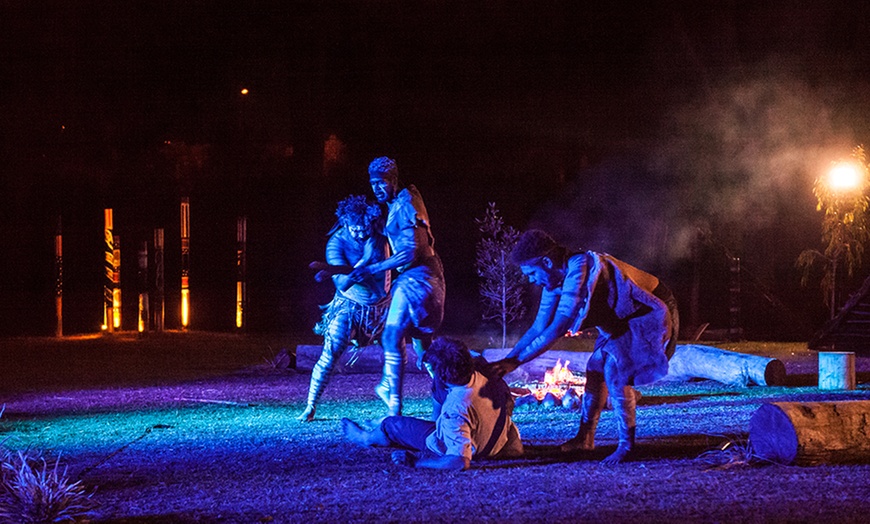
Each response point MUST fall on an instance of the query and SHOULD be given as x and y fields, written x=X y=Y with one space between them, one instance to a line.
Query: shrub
x=33 y=491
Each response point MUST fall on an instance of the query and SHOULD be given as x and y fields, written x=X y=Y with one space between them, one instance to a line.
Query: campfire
x=560 y=386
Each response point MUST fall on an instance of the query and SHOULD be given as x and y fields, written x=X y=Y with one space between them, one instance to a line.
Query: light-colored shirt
x=468 y=420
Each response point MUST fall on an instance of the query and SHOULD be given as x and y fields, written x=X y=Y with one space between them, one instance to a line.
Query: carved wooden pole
x=185 y=262
x=108 y=271
x=58 y=279
x=241 y=279
x=142 y=282
x=158 y=281
x=116 y=281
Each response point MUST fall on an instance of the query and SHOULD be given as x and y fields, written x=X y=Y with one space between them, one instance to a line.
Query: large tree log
x=729 y=367
x=809 y=433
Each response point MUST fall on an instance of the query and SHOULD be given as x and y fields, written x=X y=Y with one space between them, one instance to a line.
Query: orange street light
x=844 y=176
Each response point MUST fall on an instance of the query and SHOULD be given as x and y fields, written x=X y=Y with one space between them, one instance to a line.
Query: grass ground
x=195 y=427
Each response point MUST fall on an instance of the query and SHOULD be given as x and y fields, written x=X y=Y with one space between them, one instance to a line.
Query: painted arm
x=336 y=257
x=572 y=308
x=405 y=248
x=546 y=311
x=545 y=339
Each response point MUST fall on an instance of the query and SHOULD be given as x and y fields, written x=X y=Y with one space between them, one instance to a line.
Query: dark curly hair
x=384 y=166
x=450 y=359
x=355 y=209
x=532 y=244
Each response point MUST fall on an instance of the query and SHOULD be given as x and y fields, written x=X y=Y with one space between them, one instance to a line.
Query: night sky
x=619 y=128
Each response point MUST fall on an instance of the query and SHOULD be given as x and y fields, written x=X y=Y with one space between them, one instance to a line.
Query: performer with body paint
x=358 y=309
x=636 y=317
x=417 y=304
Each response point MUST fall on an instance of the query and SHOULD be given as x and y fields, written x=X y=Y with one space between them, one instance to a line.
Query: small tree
x=844 y=227
x=502 y=283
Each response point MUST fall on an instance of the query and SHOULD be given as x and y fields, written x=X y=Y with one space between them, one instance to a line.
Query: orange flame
x=558 y=380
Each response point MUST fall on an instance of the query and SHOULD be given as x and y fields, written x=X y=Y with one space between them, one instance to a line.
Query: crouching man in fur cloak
x=636 y=317
x=472 y=422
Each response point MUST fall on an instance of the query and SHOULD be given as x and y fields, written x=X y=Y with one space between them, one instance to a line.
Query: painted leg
x=335 y=340
x=394 y=375
x=390 y=388
x=624 y=408
x=594 y=398
x=319 y=378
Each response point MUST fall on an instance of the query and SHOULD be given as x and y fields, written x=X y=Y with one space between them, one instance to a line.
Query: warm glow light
x=844 y=177
x=244 y=91
x=116 y=308
x=185 y=307
x=141 y=325
x=185 y=262
x=558 y=380
x=240 y=293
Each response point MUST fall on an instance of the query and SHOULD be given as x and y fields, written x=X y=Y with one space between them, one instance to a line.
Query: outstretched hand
x=322 y=269
x=504 y=366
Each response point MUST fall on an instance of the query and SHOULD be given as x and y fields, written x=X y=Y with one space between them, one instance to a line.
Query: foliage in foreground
x=33 y=490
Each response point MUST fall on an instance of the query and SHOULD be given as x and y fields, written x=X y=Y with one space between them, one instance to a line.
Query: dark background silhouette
x=674 y=136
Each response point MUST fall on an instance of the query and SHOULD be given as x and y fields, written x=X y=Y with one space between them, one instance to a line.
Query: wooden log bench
x=810 y=433
x=692 y=361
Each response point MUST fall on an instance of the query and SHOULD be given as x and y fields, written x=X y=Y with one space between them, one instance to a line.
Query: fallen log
x=729 y=367
x=810 y=433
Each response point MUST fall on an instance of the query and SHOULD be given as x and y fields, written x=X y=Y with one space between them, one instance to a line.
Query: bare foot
x=354 y=433
x=307 y=415
x=617 y=456
x=579 y=443
x=383 y=392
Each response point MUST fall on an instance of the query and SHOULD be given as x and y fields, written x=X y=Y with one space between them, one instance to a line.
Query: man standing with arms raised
x=417 y=305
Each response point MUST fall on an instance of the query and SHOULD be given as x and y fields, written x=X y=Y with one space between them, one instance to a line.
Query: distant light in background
x=241 y=284
x=185 y=262
x=116 y=282
x=108 y=270
x=244 y=91
x=844 y=176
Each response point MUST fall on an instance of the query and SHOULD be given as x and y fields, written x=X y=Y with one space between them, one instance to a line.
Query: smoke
x=735 y=163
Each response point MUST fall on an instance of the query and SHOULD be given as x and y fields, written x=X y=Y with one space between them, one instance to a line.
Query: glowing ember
x=558 y=381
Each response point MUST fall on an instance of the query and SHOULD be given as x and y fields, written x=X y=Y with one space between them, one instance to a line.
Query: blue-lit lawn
x=225 y=447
